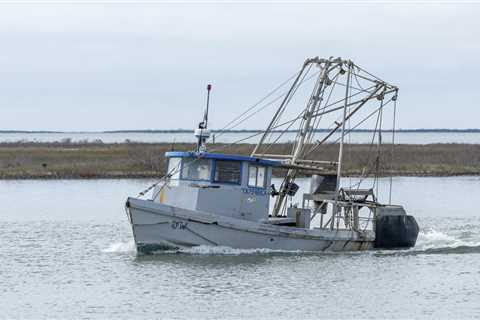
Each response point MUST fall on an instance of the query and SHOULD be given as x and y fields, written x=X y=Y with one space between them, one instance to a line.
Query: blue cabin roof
x=221 y=156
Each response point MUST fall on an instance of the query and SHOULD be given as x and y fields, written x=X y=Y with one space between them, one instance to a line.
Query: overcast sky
x=90 y=66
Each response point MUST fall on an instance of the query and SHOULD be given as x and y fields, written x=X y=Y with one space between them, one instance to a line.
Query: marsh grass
x=100 y=160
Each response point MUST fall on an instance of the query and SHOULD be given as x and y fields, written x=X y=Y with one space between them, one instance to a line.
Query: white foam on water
x=427 y=239
x=119 y=247
x=221 y=250
x=434 y=239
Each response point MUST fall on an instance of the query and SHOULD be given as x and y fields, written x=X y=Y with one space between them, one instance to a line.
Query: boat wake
x=430 y=241
x=129 y=246
x=220 y=250
x=453 y=250
x=121 y=247
x=463 y=239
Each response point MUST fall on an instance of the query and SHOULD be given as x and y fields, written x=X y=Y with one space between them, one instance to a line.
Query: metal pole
x=209 y=87
x=393 y=148
x=315 y=99
x=204 y=124
x=379 y=148
x=340 y=151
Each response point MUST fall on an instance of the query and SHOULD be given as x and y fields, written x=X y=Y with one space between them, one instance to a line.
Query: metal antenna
x=204 y=123
x=202 y=132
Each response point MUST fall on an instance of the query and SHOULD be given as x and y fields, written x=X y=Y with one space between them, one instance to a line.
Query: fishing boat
x=215 y=198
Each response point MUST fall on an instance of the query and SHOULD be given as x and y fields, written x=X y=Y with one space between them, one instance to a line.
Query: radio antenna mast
x=202 y=133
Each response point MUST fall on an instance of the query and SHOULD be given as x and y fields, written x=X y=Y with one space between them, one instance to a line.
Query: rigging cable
x=284 y=131
x=379 y=146
x=367 y=163
x=221 y=131
x=224 y=130
x=319 y=143
x=293 y=92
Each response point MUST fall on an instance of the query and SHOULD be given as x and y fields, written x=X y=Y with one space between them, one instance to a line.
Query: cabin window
x=174 y=168
x=256 y=176
x=196 y=169
x=228 y=171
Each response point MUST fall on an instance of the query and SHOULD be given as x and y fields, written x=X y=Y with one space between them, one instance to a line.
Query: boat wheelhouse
x=229 y=185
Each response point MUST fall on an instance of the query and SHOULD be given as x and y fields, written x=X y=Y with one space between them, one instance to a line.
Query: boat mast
x=342 y=139
x=304 y=130
x=205 y=117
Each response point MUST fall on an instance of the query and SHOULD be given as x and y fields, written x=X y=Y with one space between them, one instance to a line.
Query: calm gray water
x=66 y=252
x=355 y=137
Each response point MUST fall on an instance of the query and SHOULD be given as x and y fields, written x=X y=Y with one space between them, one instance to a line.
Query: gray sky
x=90 y=66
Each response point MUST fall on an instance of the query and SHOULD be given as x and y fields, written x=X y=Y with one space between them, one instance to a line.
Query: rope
x=169 y=174
x=356 y=79
x=370 y=74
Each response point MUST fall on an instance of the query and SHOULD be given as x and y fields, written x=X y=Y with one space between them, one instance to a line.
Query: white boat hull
x=157 y=226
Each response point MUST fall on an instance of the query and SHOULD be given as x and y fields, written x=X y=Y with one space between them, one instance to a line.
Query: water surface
x=67 y=252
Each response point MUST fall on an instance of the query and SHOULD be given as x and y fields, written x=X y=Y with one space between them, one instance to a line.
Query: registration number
x=179 y=225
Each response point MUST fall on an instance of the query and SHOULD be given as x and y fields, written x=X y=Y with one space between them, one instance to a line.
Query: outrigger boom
x=316 y=108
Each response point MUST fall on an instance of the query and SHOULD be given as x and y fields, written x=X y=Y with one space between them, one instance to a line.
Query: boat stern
x=394 y=228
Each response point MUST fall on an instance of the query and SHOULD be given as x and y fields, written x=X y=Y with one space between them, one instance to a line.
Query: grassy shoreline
x=146 y=160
